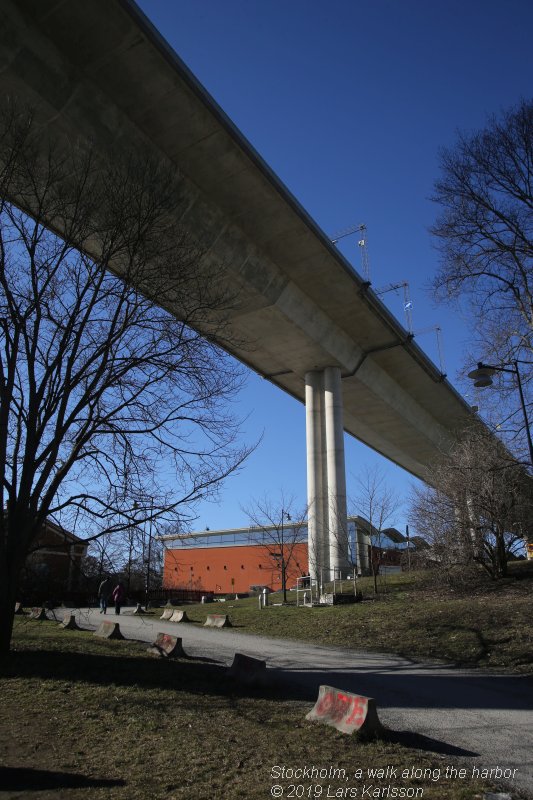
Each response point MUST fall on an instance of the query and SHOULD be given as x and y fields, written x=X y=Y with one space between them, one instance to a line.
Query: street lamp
x=147 y=588
x=482 y=377
x=136 y=507
x=131 y=533
x=287 y=516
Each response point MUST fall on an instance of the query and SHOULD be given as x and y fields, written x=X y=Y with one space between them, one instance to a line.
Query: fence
x=177 y=596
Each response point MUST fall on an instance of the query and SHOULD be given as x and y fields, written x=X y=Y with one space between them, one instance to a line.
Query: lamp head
x=482 y=376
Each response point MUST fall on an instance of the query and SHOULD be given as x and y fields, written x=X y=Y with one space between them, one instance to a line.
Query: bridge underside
x=100 y=71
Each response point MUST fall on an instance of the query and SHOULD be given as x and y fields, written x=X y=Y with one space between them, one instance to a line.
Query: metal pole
x=283 y=585
x=147 y=588
x=130 y=552
x=524 y=411
x=482 y=377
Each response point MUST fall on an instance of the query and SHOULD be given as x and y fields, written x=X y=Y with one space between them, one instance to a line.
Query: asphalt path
x=467 y=716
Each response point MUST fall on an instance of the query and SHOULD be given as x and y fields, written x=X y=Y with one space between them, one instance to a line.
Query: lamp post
x=145 y=560
x=284 y=515
x=130 y=553
x=482 y=377
x=147 y=586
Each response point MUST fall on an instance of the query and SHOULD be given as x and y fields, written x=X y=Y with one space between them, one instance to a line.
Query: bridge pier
x=326 y=476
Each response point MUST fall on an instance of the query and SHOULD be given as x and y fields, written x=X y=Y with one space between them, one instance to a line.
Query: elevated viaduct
x=99 y=70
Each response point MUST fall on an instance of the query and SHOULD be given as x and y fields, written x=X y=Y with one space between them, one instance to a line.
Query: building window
x=225 y=567
x=208 y=568
x=242 y=566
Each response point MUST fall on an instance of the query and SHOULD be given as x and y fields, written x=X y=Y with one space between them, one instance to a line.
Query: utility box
x=331 y=599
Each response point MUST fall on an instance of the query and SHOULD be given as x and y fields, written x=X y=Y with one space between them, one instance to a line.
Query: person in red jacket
x=119 y=593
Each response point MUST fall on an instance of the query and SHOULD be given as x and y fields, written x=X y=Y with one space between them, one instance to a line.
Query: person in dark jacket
x=104 y=590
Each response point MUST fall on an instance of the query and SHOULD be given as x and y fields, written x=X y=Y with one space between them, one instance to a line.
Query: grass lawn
x=489 y=626
x=83 y=717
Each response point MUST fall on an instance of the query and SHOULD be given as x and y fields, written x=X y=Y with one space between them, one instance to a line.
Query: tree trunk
x=9 y=580
x=375 y=569
x=501 y=555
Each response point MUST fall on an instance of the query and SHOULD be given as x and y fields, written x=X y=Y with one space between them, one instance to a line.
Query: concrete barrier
x=248 y=670
x=345 y=711
x=139 y=609
x=69 y=622
x=167 y=646
x=38 y=613
x=167 y=613
x=109 y=630
x=217 y=621
x=179 y=616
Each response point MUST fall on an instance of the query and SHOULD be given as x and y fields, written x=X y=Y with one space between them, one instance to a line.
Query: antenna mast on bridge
x=438 y=332
x=361 y=230
x=407 y=302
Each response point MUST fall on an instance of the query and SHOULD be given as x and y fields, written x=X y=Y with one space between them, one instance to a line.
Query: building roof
x=243 y=534
x=419 y=542
x=235 y=537
x=394 y=535
x=67 y=536
x=249 y=529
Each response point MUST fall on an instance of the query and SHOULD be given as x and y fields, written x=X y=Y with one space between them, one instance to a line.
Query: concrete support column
x=316 y=477
x=326 y=479
x=336 y=471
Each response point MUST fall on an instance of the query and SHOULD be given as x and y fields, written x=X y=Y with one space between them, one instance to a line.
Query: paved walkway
x=486 y=718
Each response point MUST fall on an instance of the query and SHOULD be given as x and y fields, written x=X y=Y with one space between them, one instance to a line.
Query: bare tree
x=144 y=571
x=126 y=556
x=477 y=509
x=105 y=555
x=109 y=402
x=279 y=528
x=377 y=503
x=485 y=234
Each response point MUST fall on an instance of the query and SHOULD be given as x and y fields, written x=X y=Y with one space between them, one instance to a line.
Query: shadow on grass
x=179 y=675
x=25 y=779
x=418 y=741
x=197 y=676
x=476 y=648
x=484 y=644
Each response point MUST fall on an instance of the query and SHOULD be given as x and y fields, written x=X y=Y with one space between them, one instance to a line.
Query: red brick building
x=236 y=560
x=54 y=563
x=228 y=569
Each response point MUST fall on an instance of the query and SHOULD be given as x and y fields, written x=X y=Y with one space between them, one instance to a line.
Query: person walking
x=119 y=593
x=104 y=590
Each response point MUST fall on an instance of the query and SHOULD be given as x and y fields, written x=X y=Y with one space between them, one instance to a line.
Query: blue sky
x=349 y=102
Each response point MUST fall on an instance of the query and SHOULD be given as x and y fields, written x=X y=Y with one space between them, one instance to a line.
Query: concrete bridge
x=100 y=70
